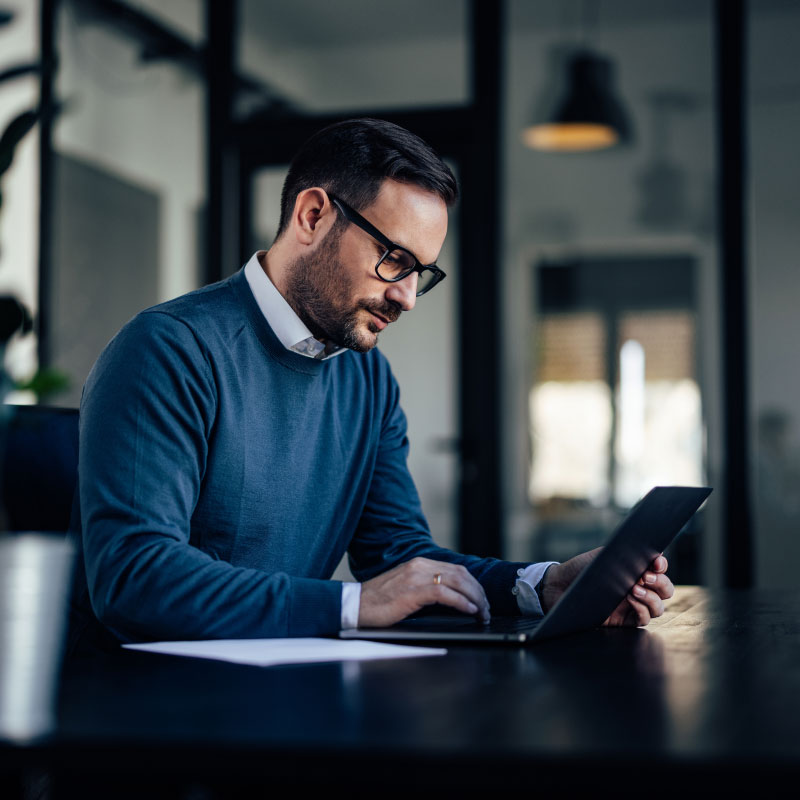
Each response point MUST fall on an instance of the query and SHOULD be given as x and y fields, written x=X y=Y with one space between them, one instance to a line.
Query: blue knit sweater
x=222 y=478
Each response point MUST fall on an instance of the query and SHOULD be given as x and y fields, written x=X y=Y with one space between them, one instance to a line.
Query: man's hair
x=351 y=159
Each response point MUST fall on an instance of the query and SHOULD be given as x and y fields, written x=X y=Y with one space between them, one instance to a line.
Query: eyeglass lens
x=398 y=263
x=427 y=278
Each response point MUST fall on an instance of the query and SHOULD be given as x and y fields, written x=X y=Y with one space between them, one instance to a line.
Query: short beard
x=319 y=291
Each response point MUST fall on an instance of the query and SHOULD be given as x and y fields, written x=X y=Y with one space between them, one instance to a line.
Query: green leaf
x=46 y=383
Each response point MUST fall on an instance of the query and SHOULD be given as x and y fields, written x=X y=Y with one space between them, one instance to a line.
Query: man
x=237 y=441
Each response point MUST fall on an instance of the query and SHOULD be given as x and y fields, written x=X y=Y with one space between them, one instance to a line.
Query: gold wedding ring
x=437 y=578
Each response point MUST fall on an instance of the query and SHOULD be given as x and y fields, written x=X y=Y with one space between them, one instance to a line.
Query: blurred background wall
x=595 y=250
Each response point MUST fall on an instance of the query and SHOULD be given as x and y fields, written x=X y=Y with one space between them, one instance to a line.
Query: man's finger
x=439 y=593
x=660 y=584
x=622 y=616
x=648 y=598
x=460 y=580
x=456 y=578
x=640 y=611
x=659 y=564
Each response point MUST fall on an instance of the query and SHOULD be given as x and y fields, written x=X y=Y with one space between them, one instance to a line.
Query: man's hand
x=641 y=604
x=405 y=589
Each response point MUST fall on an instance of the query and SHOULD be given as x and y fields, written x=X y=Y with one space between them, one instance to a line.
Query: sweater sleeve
x=147 y=417
x=393 y=528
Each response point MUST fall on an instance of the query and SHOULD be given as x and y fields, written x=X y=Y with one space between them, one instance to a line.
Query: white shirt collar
x=288 y=327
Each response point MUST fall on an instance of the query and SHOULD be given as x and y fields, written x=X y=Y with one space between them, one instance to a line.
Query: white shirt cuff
x=351 y=604
x=525 y=587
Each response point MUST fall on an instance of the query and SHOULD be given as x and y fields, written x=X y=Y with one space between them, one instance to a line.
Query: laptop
x=646 y=532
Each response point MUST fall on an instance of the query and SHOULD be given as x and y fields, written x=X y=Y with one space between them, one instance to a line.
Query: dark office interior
x=617 y=315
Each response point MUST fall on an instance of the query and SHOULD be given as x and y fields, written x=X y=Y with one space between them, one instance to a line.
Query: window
x=615 y=405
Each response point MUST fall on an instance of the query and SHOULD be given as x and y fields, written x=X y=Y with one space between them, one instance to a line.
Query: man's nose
x=404 y=292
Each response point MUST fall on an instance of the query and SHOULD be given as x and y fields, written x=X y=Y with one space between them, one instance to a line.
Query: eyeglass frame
x=351 y=215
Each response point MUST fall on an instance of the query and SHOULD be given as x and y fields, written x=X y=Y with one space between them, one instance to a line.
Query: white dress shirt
x=295 y=335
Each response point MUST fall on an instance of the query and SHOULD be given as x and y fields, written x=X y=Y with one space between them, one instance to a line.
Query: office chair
x=39 y=466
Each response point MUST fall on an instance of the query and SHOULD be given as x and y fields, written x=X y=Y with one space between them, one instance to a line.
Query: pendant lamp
x=587 y=116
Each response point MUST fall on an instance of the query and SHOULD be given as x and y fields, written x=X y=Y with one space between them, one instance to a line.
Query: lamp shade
x=588 y=116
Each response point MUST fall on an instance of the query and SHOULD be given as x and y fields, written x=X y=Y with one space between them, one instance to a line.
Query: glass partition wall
x=773 y=116
x=610 y=273
x=128 y=187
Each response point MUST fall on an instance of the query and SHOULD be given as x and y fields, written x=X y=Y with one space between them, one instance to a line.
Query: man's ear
x=313 y=215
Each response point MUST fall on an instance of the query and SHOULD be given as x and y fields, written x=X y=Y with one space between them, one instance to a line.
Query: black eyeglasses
x=396 y=262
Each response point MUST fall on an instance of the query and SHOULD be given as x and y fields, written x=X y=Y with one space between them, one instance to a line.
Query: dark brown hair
x=351 y=159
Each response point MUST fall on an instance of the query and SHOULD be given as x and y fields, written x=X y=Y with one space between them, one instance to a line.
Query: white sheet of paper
x=268 y=652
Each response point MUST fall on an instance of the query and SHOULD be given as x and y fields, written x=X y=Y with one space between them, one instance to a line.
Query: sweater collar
x=288 y=327
x=266 y=335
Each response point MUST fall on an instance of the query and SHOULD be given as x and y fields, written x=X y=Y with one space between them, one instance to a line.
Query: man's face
x=334 y=288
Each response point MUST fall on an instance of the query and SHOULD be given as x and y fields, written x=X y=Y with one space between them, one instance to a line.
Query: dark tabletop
x=710 y=692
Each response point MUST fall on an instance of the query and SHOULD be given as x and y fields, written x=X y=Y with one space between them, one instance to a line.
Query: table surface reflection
x=711 y=688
